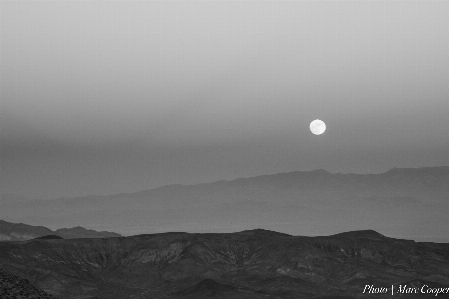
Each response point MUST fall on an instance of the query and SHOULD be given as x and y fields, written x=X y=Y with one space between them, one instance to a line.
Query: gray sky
x=101 y=97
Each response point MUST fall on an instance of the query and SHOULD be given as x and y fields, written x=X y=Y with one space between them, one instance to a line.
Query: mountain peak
x=262 y=232
x=362 y=234
x=437 y=170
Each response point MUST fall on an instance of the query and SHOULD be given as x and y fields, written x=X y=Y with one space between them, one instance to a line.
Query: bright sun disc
x=317 y=127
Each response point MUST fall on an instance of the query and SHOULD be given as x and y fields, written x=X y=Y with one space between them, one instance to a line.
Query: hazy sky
x=101 y=97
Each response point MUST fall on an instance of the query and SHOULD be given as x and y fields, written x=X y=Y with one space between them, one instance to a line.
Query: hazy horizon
x=105 y=97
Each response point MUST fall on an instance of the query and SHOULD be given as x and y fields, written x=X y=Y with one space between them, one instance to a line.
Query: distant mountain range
x=402 y=202
x=252 y=264
x=22 y=232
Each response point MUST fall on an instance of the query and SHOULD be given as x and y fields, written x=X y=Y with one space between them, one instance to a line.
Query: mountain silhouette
x=21 y=232
x=402 y=203
x=48 y=237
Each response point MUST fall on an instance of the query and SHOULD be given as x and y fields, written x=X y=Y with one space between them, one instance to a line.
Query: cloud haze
x=100 y=97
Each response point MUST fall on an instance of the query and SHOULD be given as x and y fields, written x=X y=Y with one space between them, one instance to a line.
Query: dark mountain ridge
x=81 y=232
x=21 y=232
x=362 y=234
x=48 y=237
x=249 y=264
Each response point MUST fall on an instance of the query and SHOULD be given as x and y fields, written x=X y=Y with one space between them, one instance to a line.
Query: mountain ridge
x=297 y=203
x=438 y=170
x=252 y=264
x=441 y=170
x=22 y=232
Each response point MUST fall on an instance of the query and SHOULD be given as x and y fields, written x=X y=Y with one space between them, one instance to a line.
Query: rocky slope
x=21 y=232
x=14 y=287
x=249 y=264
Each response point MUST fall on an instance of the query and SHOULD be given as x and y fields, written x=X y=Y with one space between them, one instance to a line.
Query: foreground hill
x=402 y=202
x=13 y=287
x=250 y=264
x=21 y=232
